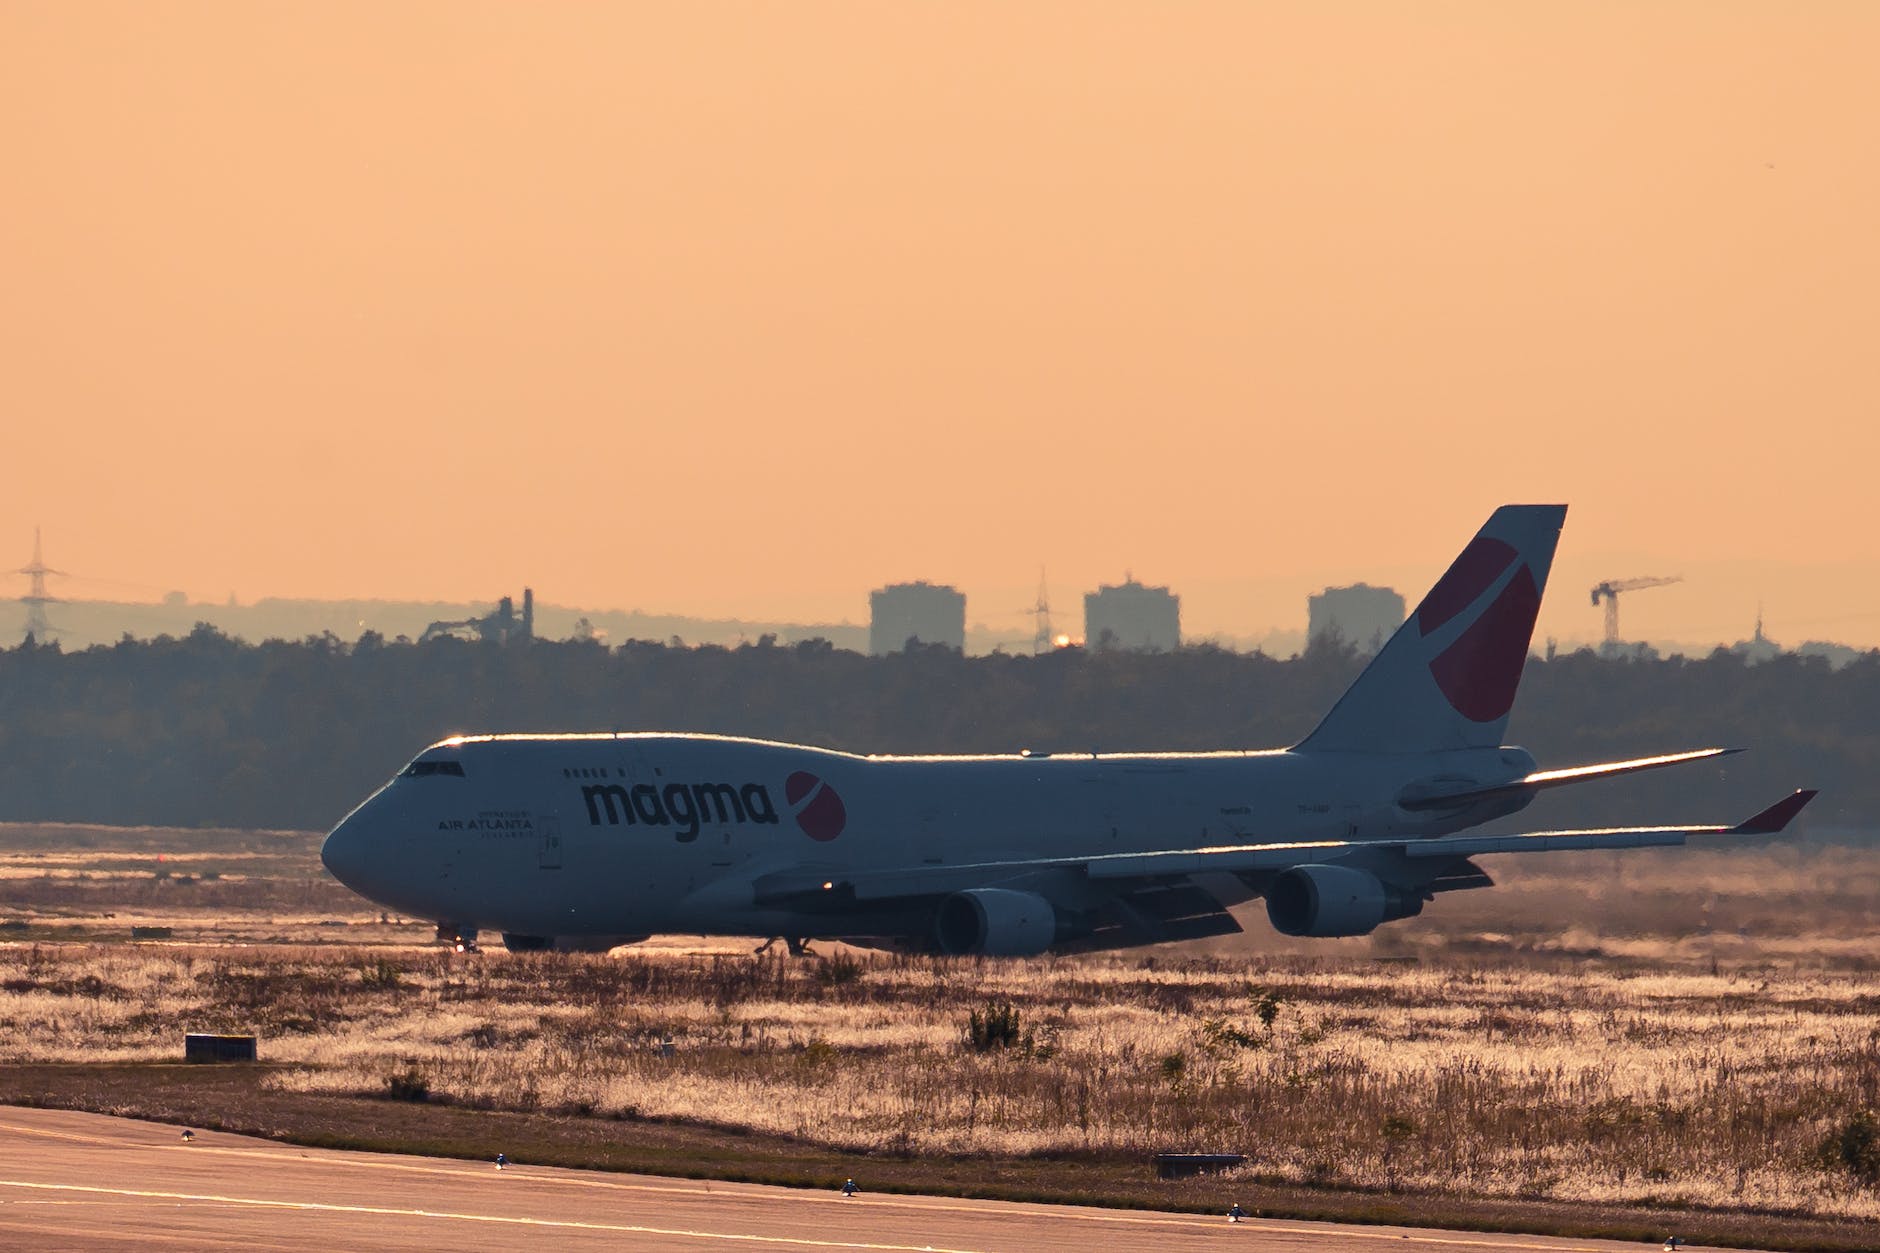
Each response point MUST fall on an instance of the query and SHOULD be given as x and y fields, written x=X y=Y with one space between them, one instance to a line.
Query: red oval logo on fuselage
x=818 y=809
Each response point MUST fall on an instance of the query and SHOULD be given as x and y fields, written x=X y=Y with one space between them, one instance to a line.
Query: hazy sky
x=744 y=309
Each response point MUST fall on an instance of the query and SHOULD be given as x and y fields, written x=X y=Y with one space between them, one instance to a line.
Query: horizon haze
x=743 y=312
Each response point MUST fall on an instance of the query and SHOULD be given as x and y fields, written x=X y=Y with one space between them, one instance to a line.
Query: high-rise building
x=922 y=612
x=1130 y=616
x=1360 y=615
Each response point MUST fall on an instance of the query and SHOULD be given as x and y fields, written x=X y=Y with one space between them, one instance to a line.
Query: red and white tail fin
x=1447 y=678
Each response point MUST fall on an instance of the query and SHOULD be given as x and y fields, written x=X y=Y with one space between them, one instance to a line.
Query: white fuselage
x=634 y=834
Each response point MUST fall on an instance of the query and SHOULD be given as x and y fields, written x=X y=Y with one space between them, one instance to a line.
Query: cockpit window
x=418 y=769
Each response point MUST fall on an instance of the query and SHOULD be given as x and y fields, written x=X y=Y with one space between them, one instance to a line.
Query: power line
x=38 y=627
x=1043 y=639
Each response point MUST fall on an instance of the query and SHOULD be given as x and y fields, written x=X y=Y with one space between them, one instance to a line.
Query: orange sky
x=744 y=309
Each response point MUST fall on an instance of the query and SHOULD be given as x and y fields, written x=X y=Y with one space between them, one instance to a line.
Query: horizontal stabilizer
x=1441 y=796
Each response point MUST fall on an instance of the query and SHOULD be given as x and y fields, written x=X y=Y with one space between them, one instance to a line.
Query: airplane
x=587 y=841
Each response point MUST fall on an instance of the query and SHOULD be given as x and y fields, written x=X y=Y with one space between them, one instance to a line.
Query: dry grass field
x=1684 y=1089
x=1682 y=1030
x=72 y=882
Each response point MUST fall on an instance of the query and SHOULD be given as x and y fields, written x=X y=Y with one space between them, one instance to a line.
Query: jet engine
x=1335 y=901
x=997 y=922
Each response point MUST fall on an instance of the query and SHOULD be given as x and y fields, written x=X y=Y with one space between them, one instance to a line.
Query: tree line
x=206 y=730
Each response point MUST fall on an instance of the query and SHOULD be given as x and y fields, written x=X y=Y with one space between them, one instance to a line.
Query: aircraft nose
x=347 y=852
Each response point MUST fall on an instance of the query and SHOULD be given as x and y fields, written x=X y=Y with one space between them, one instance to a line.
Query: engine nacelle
x=1326 y=901
x=997 y=922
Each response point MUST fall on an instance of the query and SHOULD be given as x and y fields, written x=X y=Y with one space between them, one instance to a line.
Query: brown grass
x=1687 y=1029
x=1681 y=1089
x=61 y=881
x=230 y=1098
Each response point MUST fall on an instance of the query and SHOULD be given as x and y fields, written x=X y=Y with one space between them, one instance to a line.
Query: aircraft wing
x=1439 y=796
x=805 y=885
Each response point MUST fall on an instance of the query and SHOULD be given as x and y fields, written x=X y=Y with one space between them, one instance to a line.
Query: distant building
x=1360 y=615
x=503 y=626
x=925 y=612
x=1131 y=616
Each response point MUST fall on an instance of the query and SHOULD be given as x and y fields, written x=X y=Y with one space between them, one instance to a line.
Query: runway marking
x=63 y=1135
x=564 y=1176
x=390 y=1212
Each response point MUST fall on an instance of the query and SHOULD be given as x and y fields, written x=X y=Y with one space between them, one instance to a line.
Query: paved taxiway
x=87 y=1182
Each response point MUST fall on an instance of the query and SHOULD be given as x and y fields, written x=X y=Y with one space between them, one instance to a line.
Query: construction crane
x=1609 y=592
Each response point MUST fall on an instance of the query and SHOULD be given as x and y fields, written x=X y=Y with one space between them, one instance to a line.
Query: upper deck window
x=418 y=769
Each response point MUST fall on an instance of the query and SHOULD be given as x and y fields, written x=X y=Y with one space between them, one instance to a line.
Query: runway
x=88 y=1182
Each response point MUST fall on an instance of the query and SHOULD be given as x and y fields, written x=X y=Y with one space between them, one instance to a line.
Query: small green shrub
x=1854 y=1146
x=408 y=1085
x=838 y=971
x=997 y=1027
x=1219 y=1035
x=380 y=975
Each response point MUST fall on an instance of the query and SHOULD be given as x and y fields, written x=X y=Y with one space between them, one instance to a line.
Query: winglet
x=1777 y=816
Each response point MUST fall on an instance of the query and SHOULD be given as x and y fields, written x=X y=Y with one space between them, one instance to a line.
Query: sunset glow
x=745 y=311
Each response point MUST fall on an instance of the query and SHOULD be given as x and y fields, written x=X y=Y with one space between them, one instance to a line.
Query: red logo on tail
x=1468 y=576
x=1480 y=670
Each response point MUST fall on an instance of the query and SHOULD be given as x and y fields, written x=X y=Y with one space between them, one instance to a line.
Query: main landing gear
x=798 y=945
